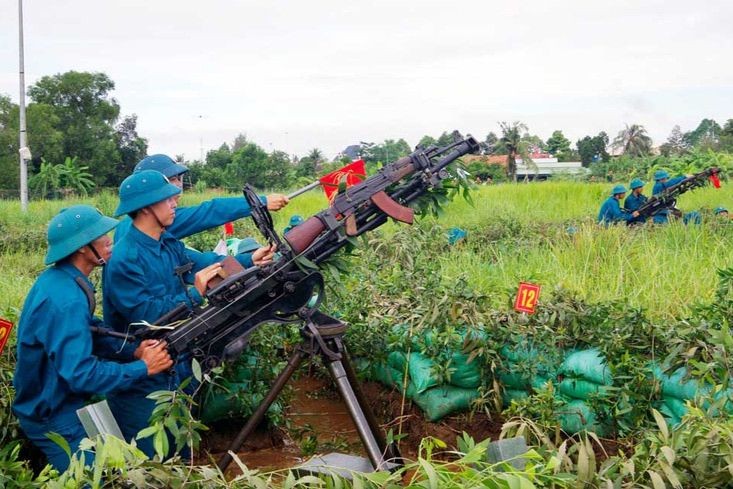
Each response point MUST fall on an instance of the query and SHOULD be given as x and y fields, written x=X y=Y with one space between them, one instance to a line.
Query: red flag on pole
x=228 y=229
x=349 y=175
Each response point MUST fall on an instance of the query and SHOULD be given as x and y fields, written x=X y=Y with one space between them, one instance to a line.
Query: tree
x=219 y=158
x=488 y=145
x=726 y=136
x=511 y=140
x=706 y=135
x=593 y=149
x=558 y=144
x=249 y=165
x=130 y=145
x=633 y=141
x=75 y=178
x=427 y=141
x=47 y=181
x=86 y=116
x=676 y=143
x=387 y=152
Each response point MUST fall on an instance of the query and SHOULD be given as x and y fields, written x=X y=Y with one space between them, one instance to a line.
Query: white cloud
x=297 y=75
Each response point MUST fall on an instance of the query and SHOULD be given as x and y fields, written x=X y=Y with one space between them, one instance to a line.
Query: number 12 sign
x=5 y=327
x=527 y=297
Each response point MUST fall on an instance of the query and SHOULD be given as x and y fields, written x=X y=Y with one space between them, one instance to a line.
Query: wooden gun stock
x=302 y=235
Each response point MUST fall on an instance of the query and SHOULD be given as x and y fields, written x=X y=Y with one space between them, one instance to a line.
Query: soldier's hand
x=204 y=275
x=275 y=202
x=156 y=357
x=142 y=346
x=263 y=256
x=635 y=214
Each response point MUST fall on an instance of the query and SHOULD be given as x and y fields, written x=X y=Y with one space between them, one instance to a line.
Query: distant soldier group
x=611 y=211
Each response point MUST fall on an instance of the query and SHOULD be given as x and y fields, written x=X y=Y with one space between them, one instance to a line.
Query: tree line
x=80 y=140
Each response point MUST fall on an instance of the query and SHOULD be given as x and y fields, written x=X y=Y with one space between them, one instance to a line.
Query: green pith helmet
x=248 y=245
x=160 y=163
x=719 y=210
x=660 y=174
x=74 y=228
x=142 y=189
x=618 y=189
x=636 y=183
x=295 y=220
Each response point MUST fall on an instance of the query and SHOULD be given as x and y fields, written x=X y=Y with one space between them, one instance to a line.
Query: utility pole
x=23 y=150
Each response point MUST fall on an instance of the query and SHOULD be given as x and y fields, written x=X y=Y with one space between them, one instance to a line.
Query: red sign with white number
x=527 y=297
x=5 y=328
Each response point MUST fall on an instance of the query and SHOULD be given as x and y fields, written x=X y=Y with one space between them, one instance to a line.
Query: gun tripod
x=323 y=335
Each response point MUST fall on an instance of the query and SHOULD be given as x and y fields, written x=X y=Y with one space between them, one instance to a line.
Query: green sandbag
x=515 y=380
x=513 y=395
x=396 y=360
x=587 y=364
x=421 y=372
x=678 y=384
x=439 y=402
x=540 y=381
x=579 y=388
x=465 y=374
x=243 y=369
x=532 y=360
x=391 y=377
x=669 y=415
x=219 y=404
x=577 y=416
x=676 y=406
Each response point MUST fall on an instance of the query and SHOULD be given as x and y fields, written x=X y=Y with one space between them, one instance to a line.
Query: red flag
x=716 y=181
x=228 y=229
x=5 y=328
x=351 y=174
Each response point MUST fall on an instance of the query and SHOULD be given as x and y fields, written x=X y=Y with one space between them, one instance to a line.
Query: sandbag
x=221 y=404
x=465 y=374
x=676 y=406
x=678 y=384
x=391 y=377
x=439 y=402
x=672 y=419
x=515 y=380
x=579 y=388
x=513 y=395
x=586 y=364
x=420 y=368
x=576 y=416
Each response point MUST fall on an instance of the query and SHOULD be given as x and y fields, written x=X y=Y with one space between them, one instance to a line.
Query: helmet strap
x=156 y=218
x=100 y=261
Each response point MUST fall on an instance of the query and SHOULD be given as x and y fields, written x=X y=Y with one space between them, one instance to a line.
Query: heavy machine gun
x=291 y=289
x=668 y=197
x=279 y=292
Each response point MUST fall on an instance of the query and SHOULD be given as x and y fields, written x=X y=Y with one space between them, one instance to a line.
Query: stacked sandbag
x=232 y=396
x=436 y=397
x=583 y=377
x=524 y=369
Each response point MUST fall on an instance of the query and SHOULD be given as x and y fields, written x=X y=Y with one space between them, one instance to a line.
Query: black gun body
x=668 y=198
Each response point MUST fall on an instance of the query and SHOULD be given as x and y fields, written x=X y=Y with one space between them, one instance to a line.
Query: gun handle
x=302 y=235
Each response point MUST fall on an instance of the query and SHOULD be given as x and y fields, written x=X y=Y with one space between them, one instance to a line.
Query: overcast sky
x=294 y=75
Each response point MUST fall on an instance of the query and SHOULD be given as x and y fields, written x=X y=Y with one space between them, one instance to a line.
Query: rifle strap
x=89 y=292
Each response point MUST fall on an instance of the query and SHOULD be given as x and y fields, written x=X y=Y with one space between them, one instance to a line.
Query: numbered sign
x=527 y=297
x=5 y=328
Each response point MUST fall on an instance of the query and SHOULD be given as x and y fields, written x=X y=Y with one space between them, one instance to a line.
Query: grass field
x=542 y=232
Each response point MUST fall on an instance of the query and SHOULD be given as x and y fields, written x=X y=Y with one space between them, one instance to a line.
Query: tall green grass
x=543 y=232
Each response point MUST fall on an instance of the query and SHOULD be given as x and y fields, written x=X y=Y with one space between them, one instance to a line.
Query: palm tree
x=47 y=180
x=75 y=177
x=511 y=140
x=633 y=140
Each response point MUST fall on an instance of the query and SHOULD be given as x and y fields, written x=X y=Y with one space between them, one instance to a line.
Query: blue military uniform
x=662 y=217
x=140 y=285
x=207 y=215
x=58 y=366
x=633 y=202
x=611 y=212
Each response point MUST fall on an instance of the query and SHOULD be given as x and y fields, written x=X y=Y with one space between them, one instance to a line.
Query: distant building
x=352 y=152
x=543 y=168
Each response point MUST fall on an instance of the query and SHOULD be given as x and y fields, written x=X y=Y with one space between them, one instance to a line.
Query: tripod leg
x=392 y=452
x=366 y=433
x=256 y=418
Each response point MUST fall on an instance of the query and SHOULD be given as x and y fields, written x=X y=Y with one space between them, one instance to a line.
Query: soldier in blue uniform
x=661 y=182
x=59 y=365
x=611 y=211
x=207 y=215
x=635 y=199
x=150 y=274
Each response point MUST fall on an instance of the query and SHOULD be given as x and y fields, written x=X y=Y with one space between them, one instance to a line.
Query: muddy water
x=316 y=415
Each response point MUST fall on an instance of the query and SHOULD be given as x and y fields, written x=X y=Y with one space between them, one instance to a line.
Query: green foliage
x=593 y=149
x=68 y=178
x=633 y=141
x=558 y=144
